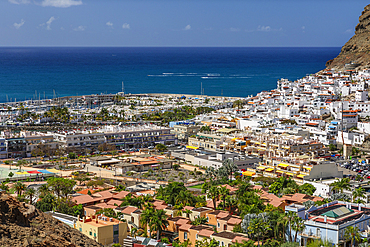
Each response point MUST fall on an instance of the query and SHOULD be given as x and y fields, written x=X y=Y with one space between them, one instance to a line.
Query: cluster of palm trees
x=153 y=220
x=176 y=114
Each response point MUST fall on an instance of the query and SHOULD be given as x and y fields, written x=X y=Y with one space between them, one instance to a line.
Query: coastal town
x=286 y=167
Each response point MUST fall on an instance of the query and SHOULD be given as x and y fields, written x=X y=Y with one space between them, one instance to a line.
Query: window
x=80 y=229
x=185 y=235
x=90 y=233
x=115 y=232
x=196 y=236
x=94 y=234
x=222 y=244
x=218 y=224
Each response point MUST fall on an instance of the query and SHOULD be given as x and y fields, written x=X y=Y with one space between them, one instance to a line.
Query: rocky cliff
x=356 y=52
x=23 y=225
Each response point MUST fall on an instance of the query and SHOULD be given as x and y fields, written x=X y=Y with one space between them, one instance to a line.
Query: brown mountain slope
x=357 y=49
x=23 y=225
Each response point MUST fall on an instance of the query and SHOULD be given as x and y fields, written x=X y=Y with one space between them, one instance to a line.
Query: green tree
x=199 y=221
x=332 y=147
x=224 y=192
x=358 y=193
x=61 y=186
x=161 y=147
x=19 y=187
x=259 y=228
x=205 y=128
x=30 y=193
x=147 y=218
x=352 y=234
x=46 y=203
x=341 y=184
x=307 y=188
x=213 y=193
x=159 y=221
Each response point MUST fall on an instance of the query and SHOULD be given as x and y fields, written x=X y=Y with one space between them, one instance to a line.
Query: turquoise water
x=27 y=73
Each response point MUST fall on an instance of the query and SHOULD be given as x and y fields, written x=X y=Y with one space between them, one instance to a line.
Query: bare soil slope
x=23 y=225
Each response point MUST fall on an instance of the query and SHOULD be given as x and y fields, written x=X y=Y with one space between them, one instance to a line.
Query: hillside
x=357 y=49
x=23 y=225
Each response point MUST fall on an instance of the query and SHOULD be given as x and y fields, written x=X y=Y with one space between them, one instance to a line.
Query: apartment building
x=138 y=136
x=102 y=229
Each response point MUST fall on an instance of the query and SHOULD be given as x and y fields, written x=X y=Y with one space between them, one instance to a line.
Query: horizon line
x=52 y=46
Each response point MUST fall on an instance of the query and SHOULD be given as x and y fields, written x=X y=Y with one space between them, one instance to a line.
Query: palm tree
x=359 y=192
x=352 y=234
x=342 y=184
x=30 y=192
x=213 y=193
x=147 y=218
x=298 y=226
x=199 y=221
x=184 y=197
x=187 y=212
x=259 y=228
x=224 y=192
x=231 y=203
x=19 y=187
x=43 y=190
x=159 y=221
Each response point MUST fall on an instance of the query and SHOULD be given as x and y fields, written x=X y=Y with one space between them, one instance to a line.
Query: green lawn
x=198 y=186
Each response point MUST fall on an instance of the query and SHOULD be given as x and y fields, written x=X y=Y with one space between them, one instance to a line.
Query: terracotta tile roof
x=206 y=233
x=84 y=199
x=86 y=191
x=188 y=207
x=240 y=239
x=129 y=210
x=234 y=221
x=104 y=205
x=185 y=227
x=112 y=202
x=121 y=195
x=222 y=214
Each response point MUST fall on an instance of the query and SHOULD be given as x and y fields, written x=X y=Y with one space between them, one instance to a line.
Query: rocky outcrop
x=355 y=54
x=24 y=225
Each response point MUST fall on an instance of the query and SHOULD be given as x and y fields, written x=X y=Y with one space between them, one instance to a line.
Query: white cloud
x=126 y=26
x=268 y=29
x=188 y=27
x=79 y=28
x=18 y=25
x=109 y=24
x=48 y=23
x=264 y=28
x=19 y=1
x=62 y=28
x=233 y=29
x=60 y=3
x=303 y=27
x=349 y=31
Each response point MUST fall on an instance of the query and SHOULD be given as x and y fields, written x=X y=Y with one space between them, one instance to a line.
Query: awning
x=290 y=174
x=283 y=165
x=280 y=172
x=191 y=147
x=33 y=172
x=269 y=169
x=53 y=170
x=22 y=173
x=308 y=168
x=248 y=173
x=45 y=171
x=261 y=168
x=301 y=176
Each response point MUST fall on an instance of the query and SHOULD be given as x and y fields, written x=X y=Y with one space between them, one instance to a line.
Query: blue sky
x=321 y=23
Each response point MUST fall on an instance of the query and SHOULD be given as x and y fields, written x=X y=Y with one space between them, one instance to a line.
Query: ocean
x=33 y=72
